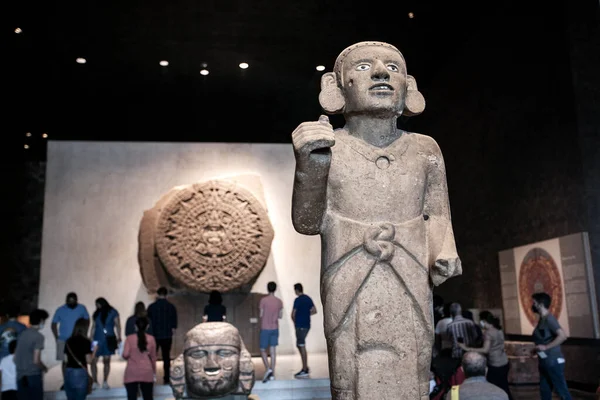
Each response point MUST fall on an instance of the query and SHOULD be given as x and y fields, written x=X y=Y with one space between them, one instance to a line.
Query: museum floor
x=284 y=388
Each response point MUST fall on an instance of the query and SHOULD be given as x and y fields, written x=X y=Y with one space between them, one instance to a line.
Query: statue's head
x=370 y=77
x=212 y=359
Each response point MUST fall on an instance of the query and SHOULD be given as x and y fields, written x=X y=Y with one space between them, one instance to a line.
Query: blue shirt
x=66 y=317
x=9 y=331
x=303 y=304
x=106 y=328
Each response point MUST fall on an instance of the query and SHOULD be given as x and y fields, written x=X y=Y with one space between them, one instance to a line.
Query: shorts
x=269 y=338
x=301 y=336
x=60 y=350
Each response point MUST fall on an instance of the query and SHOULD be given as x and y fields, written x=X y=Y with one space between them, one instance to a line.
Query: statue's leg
x=387 y=347
x=342 y=368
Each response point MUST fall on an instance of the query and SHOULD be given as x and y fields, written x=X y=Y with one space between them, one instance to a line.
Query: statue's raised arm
x=312 y=142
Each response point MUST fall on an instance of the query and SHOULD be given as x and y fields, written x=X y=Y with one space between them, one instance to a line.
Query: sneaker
x=302 y=374
x=105 y=386
x=95 y=386
x=272 y=377
x=268 y=375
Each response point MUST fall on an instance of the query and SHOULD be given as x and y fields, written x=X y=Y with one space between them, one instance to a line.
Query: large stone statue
x=378 y=197
x=214 y=235
x=214 y=363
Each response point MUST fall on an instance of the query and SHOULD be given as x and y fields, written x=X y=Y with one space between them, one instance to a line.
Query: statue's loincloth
x=376 y=296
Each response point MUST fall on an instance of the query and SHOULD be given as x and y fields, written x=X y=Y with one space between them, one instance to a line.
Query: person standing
x=10 y=331
x=163 y=319
x=461 y=331
x=139 y=312
x=215 y=311
x=303 y=309
x=8 y=373
x=140 y=353
x=78 y=354
x=493 y=346
x=271 y=310
x=548 y=335
x=28 y=358
x=106 y=331
x=63 y=323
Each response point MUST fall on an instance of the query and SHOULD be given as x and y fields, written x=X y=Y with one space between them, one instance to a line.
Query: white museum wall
x=96 y=193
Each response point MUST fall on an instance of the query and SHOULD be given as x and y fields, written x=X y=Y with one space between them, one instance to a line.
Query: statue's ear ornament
x=414 y=104
x=331 y=97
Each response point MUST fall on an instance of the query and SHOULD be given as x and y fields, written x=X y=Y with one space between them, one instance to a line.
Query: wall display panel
x=560 y=267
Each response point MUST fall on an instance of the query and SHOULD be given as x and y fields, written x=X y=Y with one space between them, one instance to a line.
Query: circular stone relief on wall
x=213 y=236
x=539 y=273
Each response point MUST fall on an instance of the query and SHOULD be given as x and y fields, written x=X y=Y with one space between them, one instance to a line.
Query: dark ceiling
x=122 y=93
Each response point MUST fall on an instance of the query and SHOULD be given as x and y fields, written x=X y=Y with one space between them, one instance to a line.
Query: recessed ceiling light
x=411 y=15
x=45 y=135
x=81 y=60
x=18 y=30
x=26 y=146
x=320 y=68
x=164 y=63
x=244 y=65
x=204 y=72
x=28 y=134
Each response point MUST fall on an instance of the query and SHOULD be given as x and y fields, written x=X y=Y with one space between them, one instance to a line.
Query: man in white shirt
x=8 y=373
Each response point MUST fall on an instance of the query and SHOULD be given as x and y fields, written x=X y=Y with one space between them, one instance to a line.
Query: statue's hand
x=312 y=140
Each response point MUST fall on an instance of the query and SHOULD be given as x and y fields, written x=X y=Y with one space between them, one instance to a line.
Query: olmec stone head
x=213 y=353
x=370 y=77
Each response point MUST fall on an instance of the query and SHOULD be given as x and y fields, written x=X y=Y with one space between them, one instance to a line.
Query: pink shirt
x=141 y=367
x=270 y=306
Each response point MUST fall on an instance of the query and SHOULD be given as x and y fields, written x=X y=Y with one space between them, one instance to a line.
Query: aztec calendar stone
x=539 y=273
x=212 y=236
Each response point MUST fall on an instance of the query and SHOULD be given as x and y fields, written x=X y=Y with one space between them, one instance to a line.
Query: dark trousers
x=31 y=387
x=165 y=346
x=499 y=376
x=145 y=387
x=552 y=377
x=9 y=395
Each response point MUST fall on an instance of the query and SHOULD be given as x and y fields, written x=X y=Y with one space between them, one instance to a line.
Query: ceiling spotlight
x=81 y=60
x=164 y=63
x=320 y=68
x=18 y=30
x=28 y=134
x=45 y=135
x=26 y=146
x=204 y=72
x=244 y=65
x=411 y=15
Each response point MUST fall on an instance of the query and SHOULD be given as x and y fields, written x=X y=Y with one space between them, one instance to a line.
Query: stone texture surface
x=378 y=197
x=214 y=363
x=207 y=236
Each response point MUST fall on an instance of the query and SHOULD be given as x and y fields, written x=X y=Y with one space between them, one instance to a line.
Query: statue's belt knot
x=378 y=241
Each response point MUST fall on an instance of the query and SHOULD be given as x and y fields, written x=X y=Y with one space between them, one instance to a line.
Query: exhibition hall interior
x=301 y=200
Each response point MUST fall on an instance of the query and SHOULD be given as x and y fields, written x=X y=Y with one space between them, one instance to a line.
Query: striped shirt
x=463 y=328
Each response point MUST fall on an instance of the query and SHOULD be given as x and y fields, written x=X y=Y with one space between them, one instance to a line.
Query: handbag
x=90 y=382
x=111 y=342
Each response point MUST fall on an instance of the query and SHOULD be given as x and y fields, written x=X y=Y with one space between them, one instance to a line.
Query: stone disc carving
x=213 y=236
x=539 y=273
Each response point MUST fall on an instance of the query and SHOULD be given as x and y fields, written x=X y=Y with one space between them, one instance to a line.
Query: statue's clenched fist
x=312 y=137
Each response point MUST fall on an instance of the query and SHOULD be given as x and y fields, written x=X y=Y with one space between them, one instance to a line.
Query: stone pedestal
x=523 y=367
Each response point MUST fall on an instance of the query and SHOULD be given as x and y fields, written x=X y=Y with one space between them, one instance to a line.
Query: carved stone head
x=370 y=77
x=214 y=360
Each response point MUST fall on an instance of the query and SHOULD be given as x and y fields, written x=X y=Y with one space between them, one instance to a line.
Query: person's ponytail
x=142 y=325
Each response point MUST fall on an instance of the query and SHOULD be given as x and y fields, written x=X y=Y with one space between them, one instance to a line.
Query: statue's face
x=374 y=81
x=212 y=370
x=213 y=234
